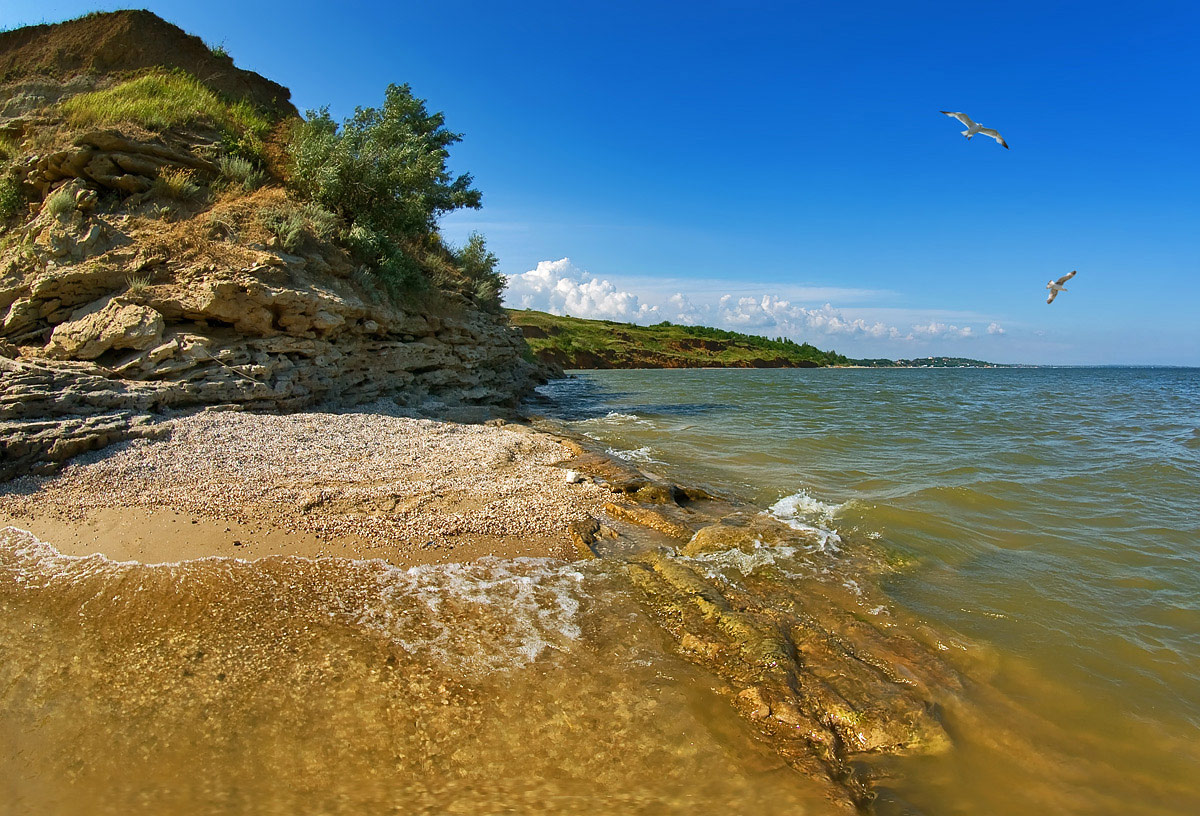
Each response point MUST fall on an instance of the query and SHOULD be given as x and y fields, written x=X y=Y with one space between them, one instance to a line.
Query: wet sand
x=810 y=664
x=368 y=484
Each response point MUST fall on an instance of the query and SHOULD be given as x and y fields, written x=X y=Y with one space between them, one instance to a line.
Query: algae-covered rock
x=820 y=684
x=651 y=518
x=739 y=532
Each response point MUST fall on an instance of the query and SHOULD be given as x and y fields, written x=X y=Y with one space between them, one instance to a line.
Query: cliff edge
x=106 y=45
x=153 y=256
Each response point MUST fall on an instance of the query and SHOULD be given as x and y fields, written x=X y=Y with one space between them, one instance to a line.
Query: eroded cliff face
x=46 y=61
x=120 y=297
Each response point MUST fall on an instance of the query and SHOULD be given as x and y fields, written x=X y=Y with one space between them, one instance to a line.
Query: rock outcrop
x=135 y=278
x=828 y=683
x=111 y=316
x=110 y=161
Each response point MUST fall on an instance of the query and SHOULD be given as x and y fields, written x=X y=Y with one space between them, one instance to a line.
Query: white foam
x=745 y=561
x=802 y=505
x=43 y=559
x=617 y=418
x=617 y=415
x=643 y=454
x=810 y=516
x=483 y=616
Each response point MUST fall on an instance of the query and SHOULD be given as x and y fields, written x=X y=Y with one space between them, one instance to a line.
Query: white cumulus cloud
x=561 y=287
x=936 y=329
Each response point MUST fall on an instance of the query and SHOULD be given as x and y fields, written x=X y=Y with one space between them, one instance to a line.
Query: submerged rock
x=821 y=686
x=823 y=682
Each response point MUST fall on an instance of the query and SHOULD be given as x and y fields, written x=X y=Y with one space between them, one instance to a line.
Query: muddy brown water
x=1024 y=606
x=290 y=685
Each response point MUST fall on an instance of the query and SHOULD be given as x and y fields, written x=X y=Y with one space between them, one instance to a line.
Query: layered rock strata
x=112 y=308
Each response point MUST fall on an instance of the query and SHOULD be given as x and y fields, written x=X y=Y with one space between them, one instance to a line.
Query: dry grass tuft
x=60 y=202
x=176 y=183
x=137 y=284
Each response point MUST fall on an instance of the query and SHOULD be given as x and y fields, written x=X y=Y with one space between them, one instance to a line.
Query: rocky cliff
x=137 y=276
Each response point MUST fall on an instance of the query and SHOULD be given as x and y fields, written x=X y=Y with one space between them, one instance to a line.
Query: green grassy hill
x=573 y=342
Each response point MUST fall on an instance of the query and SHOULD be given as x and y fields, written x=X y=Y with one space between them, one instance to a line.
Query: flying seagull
x=1057 y=286
x=974 y=127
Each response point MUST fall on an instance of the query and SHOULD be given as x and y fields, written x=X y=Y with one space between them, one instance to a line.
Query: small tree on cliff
x=478 y=268
x=384 y=173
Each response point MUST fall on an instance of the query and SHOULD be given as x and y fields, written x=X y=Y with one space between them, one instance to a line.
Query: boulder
x=109 y=323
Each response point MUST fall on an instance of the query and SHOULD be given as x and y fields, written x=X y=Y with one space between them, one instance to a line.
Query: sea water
x=1042 y=523
x=1049 y=516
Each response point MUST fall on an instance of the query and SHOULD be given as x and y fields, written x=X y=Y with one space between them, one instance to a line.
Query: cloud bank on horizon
x=560 y=287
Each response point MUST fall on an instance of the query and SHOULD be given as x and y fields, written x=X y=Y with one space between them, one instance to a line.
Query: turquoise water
x=1049 y=516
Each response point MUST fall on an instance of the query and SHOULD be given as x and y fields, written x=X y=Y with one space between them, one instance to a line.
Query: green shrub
x=219 y=51
x=478 y=269
x=241 y=171
x=60 y=202
x=294 y=225
x=323 y=224
x=176 y=183
x=162 y=100
x=384 y=173
x=364 y=277
x=385 y=168
x=10 y=195
x=286 y=224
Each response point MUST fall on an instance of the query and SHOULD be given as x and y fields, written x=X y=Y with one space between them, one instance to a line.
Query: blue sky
x=782 y=167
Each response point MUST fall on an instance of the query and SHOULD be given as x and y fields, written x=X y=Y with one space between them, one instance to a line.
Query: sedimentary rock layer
x=108 y=313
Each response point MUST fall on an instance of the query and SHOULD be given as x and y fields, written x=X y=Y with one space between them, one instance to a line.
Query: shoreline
x=365 y=483
x=373 y=484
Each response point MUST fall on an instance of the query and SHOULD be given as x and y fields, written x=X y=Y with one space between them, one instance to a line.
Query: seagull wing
x=962 y=117
x=995 y=135
x=1065 y=278
x=1053 y=295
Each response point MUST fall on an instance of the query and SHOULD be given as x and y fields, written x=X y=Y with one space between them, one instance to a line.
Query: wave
x=488 y=615
x=802 y=505
x=644 y=454
x=803 y=513
x=617 y=418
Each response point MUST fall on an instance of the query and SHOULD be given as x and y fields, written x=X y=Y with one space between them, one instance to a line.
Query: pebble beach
x=365 y=484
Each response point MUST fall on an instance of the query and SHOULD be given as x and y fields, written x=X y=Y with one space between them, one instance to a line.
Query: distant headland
x=573 y=342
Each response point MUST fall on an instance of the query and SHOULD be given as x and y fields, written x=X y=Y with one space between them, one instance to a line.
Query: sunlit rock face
x=103 y=312
x=122 y=310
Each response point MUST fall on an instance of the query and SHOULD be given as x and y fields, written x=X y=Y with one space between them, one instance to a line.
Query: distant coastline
x=578 y=343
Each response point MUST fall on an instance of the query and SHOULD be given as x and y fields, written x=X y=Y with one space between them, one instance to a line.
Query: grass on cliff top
x=690 y=346
x=162 y=100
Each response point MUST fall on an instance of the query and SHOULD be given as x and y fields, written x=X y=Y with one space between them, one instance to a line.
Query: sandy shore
x=367 y=484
